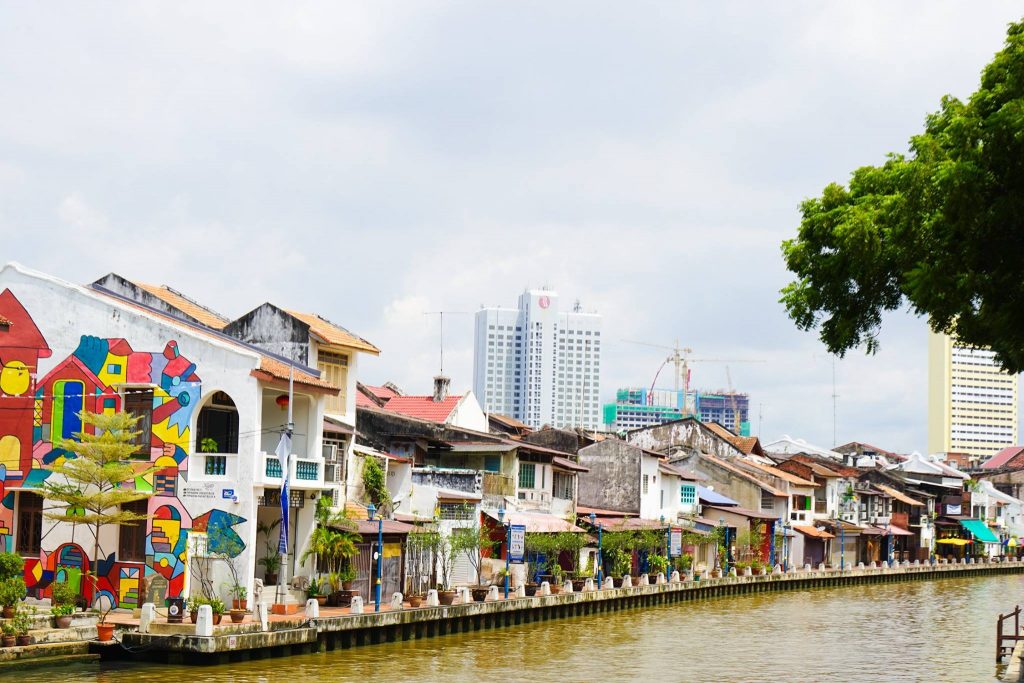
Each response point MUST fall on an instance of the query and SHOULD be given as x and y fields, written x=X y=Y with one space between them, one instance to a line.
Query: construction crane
x=681 y=359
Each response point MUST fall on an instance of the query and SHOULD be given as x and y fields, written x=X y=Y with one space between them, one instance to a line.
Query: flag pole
x=285 y=459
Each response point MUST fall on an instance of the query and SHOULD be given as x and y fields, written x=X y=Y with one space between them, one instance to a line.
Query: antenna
x=835 y=402
x=441 y=315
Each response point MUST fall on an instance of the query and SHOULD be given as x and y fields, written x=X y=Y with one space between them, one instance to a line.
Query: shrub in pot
x=11 y=591
x=63 y=597
x=10 y=635
x=239 y=593
x=62 y=615
x=315 y=592
x=22 y=622
x=218 y=607
x=194 y=603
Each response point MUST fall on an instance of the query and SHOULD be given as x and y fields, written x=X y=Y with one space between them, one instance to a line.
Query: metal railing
x=1001 y=649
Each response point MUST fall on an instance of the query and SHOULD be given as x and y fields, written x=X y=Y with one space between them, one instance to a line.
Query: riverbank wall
x=233 y=643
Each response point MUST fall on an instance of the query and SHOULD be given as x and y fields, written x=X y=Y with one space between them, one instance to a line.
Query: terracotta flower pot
x=24 y=640
x=554 y=588
x=321 y=600
x=270 y=579
x=415 y=600
x=8 y=641
x=237 y=616
x=346 y=585
x=480 y=593
x=531 y=589
x=217 y=619
x=8 y=612
x=446 y=597
x=578 y=584
x=63 y=621
x=240 y=604
x=617 y=582
x=105 y=632
x=194 y=616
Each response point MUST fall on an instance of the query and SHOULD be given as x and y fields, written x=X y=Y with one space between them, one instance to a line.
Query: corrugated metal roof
x=813 y=532
x=191 y=308
x=333 y=333
x=709 y=497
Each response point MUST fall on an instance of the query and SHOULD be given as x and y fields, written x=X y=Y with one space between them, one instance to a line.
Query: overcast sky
x=374 y=161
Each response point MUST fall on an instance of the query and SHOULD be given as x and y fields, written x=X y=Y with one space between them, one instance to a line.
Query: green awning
x=979 y=530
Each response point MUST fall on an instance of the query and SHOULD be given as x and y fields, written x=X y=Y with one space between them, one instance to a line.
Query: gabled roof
x=744 y=444
x=423 y=407
x=763 y=485
x=781 y=474
x=898 y=495
x=188 y=306
x=1002 y=457
x=333 y=333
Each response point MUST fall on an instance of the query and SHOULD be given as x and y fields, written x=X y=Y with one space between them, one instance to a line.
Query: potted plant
x=421 y=561
x=237 y=615
x=239 y=593
x=218 y=608
x=348 y=576
x=194 y=603
x=10 y=634
x=315 y=591
x=11 y=591
x=63 y=597
x=657 y=564
x=22 y=623
x=271 y=561
x=622 y=562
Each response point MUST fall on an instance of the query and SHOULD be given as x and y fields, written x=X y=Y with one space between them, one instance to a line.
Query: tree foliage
x=941 y=228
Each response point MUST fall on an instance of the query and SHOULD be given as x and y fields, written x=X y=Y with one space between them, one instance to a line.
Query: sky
x=376 y=161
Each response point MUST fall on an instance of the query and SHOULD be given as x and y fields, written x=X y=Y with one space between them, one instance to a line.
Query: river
x=915 y=631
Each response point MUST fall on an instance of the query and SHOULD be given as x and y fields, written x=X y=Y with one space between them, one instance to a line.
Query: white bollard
x=146 y=617
x=263 y=616
x=872 y=566
x=644 y=581
x=807 y=567
x=397 y=601
x=432 y=600
x=777 y=570
x=963 y=560
x=520 y=591
x=906 y=563
x=588 y=585
x=465 y=596
x=917 y=563
x=545 y=588
x=493 y=594
x=860 y=565
x=747 y=571
x=567 y=586
x=204 y=622
x=312 y=609
x=659 y=579
x=821 y=566
x=627 y=581
x=732 y=571
x=357 y=605
x=675 y=576
x=608 y=582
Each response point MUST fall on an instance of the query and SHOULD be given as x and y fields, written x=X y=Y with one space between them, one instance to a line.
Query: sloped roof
x=509 y=421
x=272 y=369
x=189 y=307
x=781 y=474
x=898 y=495
x=1002 y=457
x=749 y=476
x=744 y=444
x=423 y=407
x=382 y=392
x=333 y=333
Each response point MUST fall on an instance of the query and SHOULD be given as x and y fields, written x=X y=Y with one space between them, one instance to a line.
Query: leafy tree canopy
x=941 y=228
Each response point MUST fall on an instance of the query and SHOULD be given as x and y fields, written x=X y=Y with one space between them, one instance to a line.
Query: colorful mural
x=101 y=375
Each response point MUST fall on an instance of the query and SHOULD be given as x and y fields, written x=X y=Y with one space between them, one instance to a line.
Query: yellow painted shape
x=112 y=378
x=37 y=571
x=169 y=528
x=392 y=550
x=10 y=452
x=15 y=378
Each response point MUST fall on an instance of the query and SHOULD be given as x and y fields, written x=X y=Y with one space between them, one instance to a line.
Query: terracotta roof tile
x=1002 y=457
x=749 y=476
x=333 y=333
x=423 y=407
x=781 y=474
x=274 y=369
x=187 y=306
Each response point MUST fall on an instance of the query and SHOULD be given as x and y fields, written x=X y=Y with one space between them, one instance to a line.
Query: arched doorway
x=217 y=433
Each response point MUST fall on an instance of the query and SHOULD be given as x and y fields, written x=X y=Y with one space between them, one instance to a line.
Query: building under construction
x=637 y=407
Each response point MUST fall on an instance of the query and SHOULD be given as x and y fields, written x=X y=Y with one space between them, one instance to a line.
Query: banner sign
x=517 y=542
x=675 y=546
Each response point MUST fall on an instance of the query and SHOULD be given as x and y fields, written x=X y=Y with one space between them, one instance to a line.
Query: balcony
x=213 y=467
x=453 y=479
x=305 y=473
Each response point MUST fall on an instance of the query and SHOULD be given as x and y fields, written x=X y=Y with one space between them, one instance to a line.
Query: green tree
x=941 y=228
x=375 y=484
x=90 y=484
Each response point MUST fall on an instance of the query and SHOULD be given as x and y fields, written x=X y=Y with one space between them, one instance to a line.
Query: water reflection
x=918 y=631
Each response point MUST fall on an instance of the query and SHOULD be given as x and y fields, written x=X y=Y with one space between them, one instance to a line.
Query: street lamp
x=771 y=549
x=785 y=546
x=725 y=536
x=508 y=544
x=888 y=545
x=371 y=512
x=600 y=560
x=842 y=545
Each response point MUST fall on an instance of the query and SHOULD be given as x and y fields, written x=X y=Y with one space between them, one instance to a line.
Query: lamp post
x=842 y=545
x=725 y=536
x=785 y=547
x=771 y=550
x=888 y=545
x=668 y=541
x=371 y=511
x=600 y=559
x=508 y=544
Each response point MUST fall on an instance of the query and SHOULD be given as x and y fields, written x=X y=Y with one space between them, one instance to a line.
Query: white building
x=972 y=403
x=538 y=365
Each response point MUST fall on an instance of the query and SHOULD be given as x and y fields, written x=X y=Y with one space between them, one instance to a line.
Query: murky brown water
x=918 y=631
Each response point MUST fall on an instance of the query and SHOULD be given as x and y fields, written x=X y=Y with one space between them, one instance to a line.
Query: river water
x=915 y=631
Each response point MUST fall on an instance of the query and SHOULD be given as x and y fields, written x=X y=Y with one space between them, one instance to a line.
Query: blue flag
x=284 y=450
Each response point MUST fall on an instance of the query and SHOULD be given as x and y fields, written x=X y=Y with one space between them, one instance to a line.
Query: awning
x=709 y=497
x=898 y=495
x=953 y=541
x=813 y=532
x=537 y=522
x=897 y=531
x=979 y=530
x=565 y=464
x=630 y=524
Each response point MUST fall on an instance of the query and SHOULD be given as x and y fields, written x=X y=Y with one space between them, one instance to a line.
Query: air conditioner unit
x=331 y=452
x=332 y=473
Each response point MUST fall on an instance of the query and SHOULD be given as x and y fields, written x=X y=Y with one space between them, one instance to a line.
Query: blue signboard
x=227 y=493
x=517 y=542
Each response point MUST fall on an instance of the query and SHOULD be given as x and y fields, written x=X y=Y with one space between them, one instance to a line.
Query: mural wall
x=36 y=413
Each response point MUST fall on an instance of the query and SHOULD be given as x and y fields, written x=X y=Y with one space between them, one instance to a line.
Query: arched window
x=217 y=428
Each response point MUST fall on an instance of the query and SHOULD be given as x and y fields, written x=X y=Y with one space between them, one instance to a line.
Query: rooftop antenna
x=441 y=315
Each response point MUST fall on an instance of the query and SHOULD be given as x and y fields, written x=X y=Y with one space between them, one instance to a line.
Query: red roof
x=1002 y=457
x=423 y=407
x=383 y=393
x=363 y=401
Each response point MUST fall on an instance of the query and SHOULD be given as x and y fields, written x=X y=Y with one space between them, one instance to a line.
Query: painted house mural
x=101 y=375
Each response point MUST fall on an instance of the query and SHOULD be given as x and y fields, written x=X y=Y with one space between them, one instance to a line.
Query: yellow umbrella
x=954 y=541
x=1013 y=542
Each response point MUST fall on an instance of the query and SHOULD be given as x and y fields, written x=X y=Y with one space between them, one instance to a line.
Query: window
x=30 y=523
x=661 y=497
x=139 y=402
x=647 y=481
x=767 y=501
x=131 y=544
x=334 y=369
x=562 y=483
x=527 y=475
x=456 y=511
x=687 y=494
x=218 y=421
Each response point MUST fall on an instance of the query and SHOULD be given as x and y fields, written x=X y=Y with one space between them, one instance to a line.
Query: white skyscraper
x=538 y=365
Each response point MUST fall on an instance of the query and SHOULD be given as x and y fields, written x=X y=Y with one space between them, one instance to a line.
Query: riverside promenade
x=332 y=629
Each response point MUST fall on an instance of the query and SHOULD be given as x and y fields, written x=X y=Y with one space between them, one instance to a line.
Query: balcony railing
x=304 y=471
x=214 y=466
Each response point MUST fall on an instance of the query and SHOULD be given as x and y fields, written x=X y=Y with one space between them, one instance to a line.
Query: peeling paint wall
x=613 y=482
x=689 y=435
x=274 y=330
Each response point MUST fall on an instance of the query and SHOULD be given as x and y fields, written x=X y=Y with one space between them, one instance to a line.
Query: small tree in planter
x=450 y=546
x=63 y=598
x=571 y=543
x=93 y=483
x=12 y=585
x=271 y=560
x=421 y=556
